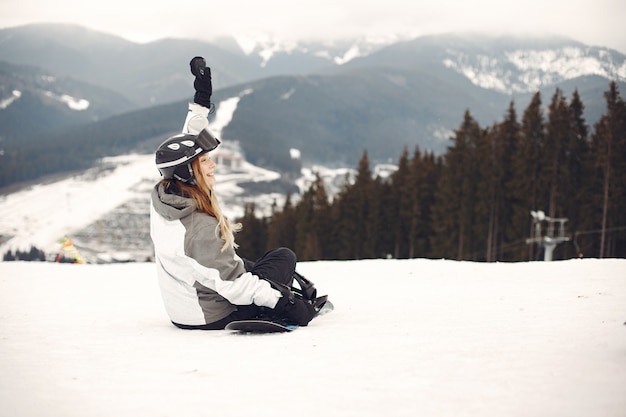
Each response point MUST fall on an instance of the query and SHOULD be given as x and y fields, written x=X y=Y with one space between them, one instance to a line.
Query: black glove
x=295 y=310
x=198 y=65
x=202 y=83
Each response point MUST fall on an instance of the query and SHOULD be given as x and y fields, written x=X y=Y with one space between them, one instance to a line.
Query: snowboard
x=260 y=326
x=267 y=326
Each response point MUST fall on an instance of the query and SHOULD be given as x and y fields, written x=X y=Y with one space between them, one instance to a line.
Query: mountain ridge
x=410 y=93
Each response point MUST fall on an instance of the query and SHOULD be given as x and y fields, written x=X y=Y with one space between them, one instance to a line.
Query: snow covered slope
x=105 y=209
x=527 y=70
x=407 y=338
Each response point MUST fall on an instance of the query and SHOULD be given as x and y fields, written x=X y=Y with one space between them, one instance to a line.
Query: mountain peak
x=519 y=68
x=337 y=52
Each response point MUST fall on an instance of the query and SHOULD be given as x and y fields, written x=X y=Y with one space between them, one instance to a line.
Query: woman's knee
x=287 y=254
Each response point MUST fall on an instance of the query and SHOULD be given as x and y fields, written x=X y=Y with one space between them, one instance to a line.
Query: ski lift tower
x=549 y=241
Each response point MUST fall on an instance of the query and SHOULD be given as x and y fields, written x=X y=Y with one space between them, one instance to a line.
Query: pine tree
x=312 y=222
x=496 y=149
x=343 y=225
x=282 y=226
x=510 y=136
x=524 y=186
x=578 y=167
x=425 y=174
x=609 y=143
x=322 y=220
x=555 y=154
x=455 y=200
x=385 y=239
x=307 y=245
x=352 y=213
x=486 y=193
x=403 y=201
x=415 y=219
x=375 y=226
x=252 y=239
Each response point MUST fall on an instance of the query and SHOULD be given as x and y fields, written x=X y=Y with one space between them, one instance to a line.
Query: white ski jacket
x=199 y=283
x=196 y=120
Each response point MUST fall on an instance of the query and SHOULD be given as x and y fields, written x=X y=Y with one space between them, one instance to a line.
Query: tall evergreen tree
x=487 y=194
x=352 y=213
x=415 y=223
x=455 y=201
x=425 y=174
x=282 y=226
x=555 y=155
x=403 y=202
x=609 y=143
x=252 y=239
x=385 y=239
x=375 y=226
x=322 y=219
x=509 y=140
x=496 y=150
x=578 y=167
x=312 y=222
x=525 y=186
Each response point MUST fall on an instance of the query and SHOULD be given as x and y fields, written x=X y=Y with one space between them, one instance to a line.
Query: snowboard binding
x=308 y=292
x=307 y=289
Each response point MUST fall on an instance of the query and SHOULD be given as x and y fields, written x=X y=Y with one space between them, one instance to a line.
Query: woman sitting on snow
x=204 y=283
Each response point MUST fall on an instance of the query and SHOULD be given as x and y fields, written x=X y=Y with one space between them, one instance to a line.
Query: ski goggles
x=206 y=140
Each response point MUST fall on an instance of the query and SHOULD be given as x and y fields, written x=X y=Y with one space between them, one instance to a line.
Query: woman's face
x=207 y=168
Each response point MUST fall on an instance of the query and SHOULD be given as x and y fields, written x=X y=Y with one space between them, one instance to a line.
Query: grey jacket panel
x=199 y=283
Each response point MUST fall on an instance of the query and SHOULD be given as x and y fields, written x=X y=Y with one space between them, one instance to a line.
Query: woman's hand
x=295 y=309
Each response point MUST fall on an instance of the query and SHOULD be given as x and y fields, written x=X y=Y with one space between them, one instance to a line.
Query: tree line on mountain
x=77 y=148
x=475 y=201
x=34 y=254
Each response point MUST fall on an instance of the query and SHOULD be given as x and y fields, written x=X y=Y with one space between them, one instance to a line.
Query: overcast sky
x=594 y=22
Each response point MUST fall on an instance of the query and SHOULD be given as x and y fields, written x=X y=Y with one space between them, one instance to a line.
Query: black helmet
x=174 y=156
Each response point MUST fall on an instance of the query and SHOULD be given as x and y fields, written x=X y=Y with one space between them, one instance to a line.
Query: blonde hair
x=206 y=202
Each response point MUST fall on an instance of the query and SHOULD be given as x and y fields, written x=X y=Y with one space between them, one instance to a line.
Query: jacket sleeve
x=223 y=272
x=196 y=119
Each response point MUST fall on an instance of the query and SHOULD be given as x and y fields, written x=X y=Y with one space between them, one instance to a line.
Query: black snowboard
x=267 y=326
x=260 y=326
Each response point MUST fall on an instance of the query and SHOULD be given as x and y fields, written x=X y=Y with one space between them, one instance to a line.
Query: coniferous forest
x=475 y=201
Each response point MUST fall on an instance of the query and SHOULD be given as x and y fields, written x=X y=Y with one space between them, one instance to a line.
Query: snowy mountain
x=331 y=101
x=506 y=64
x=305 y=56
x=526 y=70
x=407 y=338
x=56 y=101
x=502 y=63
x=145 y=74
x=105 y=209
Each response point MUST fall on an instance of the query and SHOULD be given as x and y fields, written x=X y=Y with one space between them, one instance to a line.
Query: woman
x=204 y=284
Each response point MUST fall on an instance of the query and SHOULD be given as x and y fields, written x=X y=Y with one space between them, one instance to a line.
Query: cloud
x=595 y=22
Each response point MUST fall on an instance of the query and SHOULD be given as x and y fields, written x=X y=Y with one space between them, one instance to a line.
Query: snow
x=407 y=338
x=78 y=104
x=525 y=70
x=352 y=53
x=73 y=103
x=28 y=218
x=225 y=111
x=4 y=103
